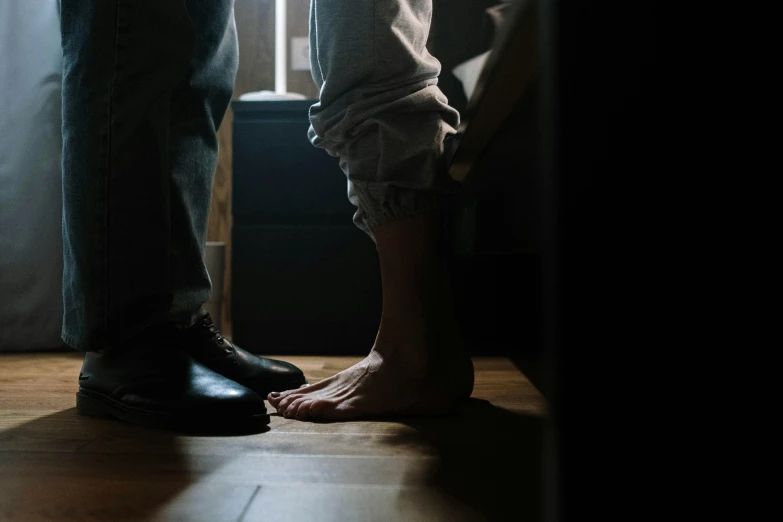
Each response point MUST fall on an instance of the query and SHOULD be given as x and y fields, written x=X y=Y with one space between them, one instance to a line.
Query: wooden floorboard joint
x=480 y=463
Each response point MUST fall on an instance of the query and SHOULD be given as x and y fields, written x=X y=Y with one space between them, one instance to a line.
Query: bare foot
x=418 y=364
x=381 y=385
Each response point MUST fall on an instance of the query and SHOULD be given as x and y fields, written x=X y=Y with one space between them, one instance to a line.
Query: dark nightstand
x=305 y=280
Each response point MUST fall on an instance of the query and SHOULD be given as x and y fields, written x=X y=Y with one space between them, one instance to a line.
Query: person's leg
x=381 y=113
x=123 y=63
x=199 y=103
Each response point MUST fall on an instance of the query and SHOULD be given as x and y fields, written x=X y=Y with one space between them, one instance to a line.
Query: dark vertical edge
x=550 y=363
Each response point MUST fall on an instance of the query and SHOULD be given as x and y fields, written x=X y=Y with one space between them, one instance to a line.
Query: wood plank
x=356 y=504
x=481 y=462
x=37 y=497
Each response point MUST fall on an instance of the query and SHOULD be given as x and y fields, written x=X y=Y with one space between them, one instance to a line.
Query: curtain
x=30 y=182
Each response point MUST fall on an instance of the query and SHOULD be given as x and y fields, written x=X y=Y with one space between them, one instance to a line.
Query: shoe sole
x=92 y=404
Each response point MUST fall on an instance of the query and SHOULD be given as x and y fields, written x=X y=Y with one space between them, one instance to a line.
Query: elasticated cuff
x=381 y=203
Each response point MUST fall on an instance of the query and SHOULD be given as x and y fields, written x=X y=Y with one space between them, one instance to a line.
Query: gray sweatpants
x=380 y=110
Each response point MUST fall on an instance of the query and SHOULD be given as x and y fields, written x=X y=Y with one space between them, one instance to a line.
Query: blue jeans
x=146 y=84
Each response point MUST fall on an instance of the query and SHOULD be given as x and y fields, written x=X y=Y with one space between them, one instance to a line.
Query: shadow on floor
x=65 y=466
x=490 y=461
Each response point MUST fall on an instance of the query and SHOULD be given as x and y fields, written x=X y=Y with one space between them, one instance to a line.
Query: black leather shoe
x=157 y=385
x=207 y=345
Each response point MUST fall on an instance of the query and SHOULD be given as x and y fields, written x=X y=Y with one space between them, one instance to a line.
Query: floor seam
x=249 y=502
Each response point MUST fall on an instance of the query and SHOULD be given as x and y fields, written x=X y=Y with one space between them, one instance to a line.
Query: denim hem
x=77 y=344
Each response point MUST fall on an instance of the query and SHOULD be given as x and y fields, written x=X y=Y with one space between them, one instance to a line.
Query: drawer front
x=304 y=289
x=280 y=177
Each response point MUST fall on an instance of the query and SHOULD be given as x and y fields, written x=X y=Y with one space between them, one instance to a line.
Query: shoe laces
x=209 y=325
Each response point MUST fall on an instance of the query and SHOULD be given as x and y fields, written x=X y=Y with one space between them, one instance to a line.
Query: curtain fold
x=30 y=180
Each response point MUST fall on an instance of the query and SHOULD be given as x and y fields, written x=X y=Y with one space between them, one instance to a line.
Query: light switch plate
x=300 y=53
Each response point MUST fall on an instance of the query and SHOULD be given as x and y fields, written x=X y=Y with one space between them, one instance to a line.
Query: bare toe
x=274 y=398
x=286 y=402
x=303 y=413
x=319 y=408
x=290 y=412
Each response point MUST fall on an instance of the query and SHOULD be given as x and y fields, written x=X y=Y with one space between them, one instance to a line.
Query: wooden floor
x=482 y=463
